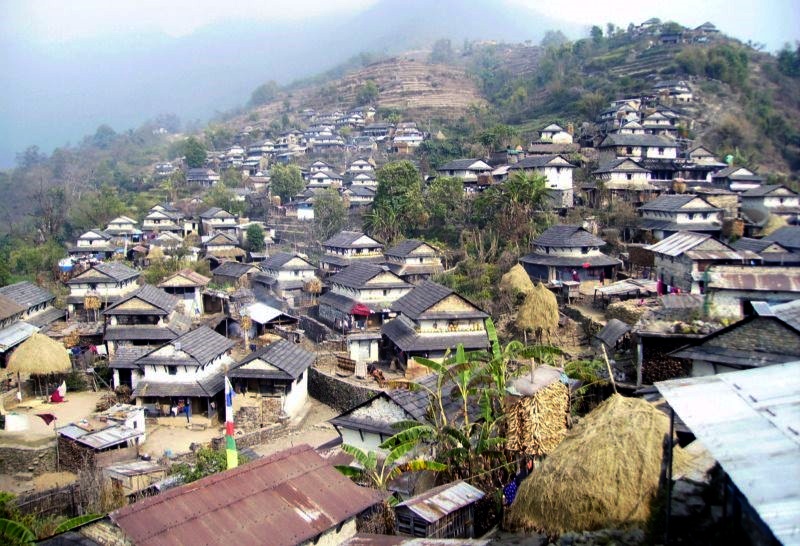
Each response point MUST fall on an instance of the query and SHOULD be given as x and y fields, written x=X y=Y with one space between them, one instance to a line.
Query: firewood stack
x=537 y=423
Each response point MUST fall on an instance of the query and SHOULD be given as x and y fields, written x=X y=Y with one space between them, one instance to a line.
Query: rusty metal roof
x=756 y=278
x=367 y=539
x=285 y=499
x=436 y=503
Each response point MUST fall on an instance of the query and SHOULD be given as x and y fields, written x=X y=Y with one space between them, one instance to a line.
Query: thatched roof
x=604 y=474
x=516 y=281
x=539 y=312
x=41 y=355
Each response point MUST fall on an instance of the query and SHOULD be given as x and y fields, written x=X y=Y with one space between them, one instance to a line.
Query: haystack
x=539 y=312
x=39 y=355
x=774 y=223
x=536 y=412
x=516 y=281
x=604 y=474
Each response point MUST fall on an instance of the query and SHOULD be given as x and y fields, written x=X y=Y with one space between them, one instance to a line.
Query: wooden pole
x=608 y=366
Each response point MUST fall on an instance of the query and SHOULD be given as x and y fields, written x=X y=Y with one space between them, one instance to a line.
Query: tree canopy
x=195 y=152
x=287 y=181
x=330 y=214
x=397 y=208
x=255 y=238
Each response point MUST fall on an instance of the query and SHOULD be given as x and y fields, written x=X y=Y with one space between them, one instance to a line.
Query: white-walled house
x=466 y=169
x=108 y=281
x=556 y=134
x=35 y=300
x=277 y=371
x=347 y=247
x=563 y=251
x=637 y=147
x=774 y=199
x=124 y=228
x=360 y=295
x=285 y=273
x=414 y=260
x=190 y=367
x=670 y=214
x=558 y=172
x=217 y=220
x=91 y=243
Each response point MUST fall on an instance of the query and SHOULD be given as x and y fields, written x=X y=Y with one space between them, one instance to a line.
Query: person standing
x=187 y=409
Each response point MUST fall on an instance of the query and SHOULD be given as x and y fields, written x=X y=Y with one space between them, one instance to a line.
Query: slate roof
x=26 y=294
x=338 y=301
x=567 y=236
x=612 y=332
x=787 y=236
x=728 y=172
x=601 y=260
x=406 y=247
x=215 y=212
x=753 y=245
x=674 y=203
x=347 y=238
x=401 y=332
x=9 y=308
x=427 y=294
x=667 y=225
x=623 y=139
x=139 y=332
x=678 y=243
x=117 y=272
x=630 y=166
x=278 y=260
x=287 y=498
x=185 y=278
x=204 y=388
x=788 y=313
x=201 y=344
x=538 y=161
x=553 y=127
x=232 y=269
x=290 y=358
x=462 y=164
x=358 y=274
x=148 y=293
x=40 y=320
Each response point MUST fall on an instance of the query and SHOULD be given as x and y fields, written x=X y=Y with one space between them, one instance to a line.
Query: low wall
x=314 y=329
x=590 y=326
x=336 y=393
x=61 y=501
x=23 y=459
x=254 y=438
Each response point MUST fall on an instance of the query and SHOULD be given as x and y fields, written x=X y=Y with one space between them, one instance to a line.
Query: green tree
x=553 y=38
x=104 y=137
x=195 y=152
x=286 y=181
x=442 y=52
x=330 y=214
x=263 y=94
x=368 y=93
x=232 y=178
x=255 y=238
x=445 y=202
x=399 y=196
x=597 y=35
x=207 y=462
x=789 y=60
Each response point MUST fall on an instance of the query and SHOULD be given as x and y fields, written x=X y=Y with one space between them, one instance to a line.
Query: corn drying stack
x=536 y=412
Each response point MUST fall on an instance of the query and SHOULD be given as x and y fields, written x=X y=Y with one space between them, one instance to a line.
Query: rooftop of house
x=767 y=189
x=285 y=499
x=540 y=161
x=674 y=203
x=185 y=278
x=156 y=297
x=427 y=294
x=678 y=243
x=358 y=274
x=114 y=271
x=567 y=236
x=346 y=239
x=405 y=248
x=621 y=139
x=202 y=345
x=26 y=294
x=625 y=164
x=9 y=308
x=738 y=173
x=280 y=259
x=787 y=236
x=233 y=269
x=465 y=164
x=289 y=358
x=215 y=212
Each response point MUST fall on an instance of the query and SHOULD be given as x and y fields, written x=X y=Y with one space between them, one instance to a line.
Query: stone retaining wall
x=29 y=460
x=335 y=392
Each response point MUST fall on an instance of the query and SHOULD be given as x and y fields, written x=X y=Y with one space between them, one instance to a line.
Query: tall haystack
x=39 y=355
x=538 y=314
x=604 y=474
x=516 y=281
x=536 y=412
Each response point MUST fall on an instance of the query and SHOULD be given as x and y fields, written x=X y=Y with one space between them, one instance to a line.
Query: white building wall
x=297 y=396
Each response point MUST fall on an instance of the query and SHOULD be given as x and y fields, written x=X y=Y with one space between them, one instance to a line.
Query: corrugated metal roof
x=678 y=243
x=15 y=334
x=285 y=499
x=366 y=539
x=755 y=278
x=135 y=468
x=100 y=439
x=750 y=422
x=445 y=499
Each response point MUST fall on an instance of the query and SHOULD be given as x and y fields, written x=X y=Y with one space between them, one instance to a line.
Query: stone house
x=563 y=251
x=347 y=247
x=787 y=236
x=467 y=169
x=769 y=336
x=670 y=214
x=432 y=319
x=659 y=124
x=109 y=282
x=360 y=296
x=205 y=178
x=324 y=179
x=359 y=195
x=189 y=368
x=773 y=199
x=124 y=229
x=413 y=260
x=738 y=179
x=223 y=246
x=217 y=220
x=285 y=274
x=38 y=303
x=299 y=496
x=556 y=134
x=233 y=274
x=732 y=289
x=682 y=258
x=558 y=172
x=276 y=374
x=626 y=180
x=163 y=218
x=93 y=243
x=637 y=147
x=149 y=316
x=360 y=165
x=769 y=252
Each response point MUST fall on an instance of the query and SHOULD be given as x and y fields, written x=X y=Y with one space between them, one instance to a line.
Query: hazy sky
x=772 y=22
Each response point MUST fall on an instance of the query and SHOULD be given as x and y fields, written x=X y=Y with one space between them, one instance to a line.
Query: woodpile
x=537 y=423
x=628 y=311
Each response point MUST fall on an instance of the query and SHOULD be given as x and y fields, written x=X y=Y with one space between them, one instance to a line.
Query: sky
x=772 y=22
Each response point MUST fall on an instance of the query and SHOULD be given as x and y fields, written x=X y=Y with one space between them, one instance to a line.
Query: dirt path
x=314 y=430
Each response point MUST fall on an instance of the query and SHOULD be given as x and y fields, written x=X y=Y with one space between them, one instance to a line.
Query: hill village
x=682 y=322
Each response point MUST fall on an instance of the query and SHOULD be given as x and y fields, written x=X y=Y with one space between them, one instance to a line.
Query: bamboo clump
x=537 y=424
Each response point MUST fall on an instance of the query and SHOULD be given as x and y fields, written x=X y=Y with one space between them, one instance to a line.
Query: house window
x=629 y=150
x=300 y=377
x=661 y=151
x=629 y=176
x=385 y=292
x=173 y=370
x=584 y=250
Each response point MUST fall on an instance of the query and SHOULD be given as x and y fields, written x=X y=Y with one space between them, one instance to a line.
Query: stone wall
x=335 y=392
x=74 y=457
x=254 y=438
x=29 y=460
x=314 y=329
